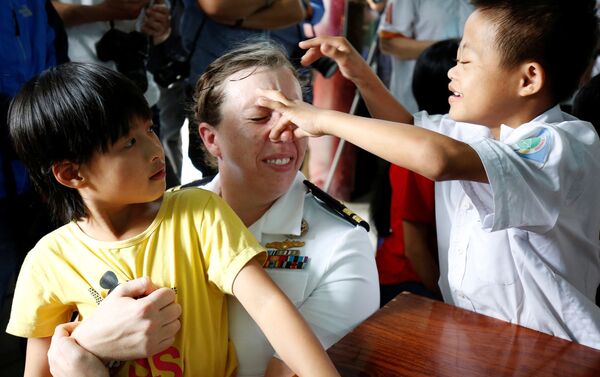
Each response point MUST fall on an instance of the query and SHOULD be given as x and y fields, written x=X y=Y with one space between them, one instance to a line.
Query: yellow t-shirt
x=196 y=245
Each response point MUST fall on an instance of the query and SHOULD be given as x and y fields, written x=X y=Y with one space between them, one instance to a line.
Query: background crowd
x=167 y=48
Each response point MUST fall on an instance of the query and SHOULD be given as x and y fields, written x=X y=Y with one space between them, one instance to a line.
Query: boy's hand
x=157 y=22
x=298 y=119
x=126 y=328
x=350 y=63
x=67 y=358
x=124 y=9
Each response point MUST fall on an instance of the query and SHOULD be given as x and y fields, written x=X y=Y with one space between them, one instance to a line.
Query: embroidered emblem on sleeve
x=536 y=148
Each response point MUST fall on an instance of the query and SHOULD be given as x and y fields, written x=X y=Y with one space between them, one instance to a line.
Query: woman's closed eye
x=259 y=118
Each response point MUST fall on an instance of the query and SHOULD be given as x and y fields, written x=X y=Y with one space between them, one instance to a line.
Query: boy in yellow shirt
x=86 y=136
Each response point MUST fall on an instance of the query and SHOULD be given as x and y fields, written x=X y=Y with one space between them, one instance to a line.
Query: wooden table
x=416 y=336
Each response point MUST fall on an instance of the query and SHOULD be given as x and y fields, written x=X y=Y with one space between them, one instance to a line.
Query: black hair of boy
x=586 y=105
x=70 y=112
x=561 y=35
x=430 y=77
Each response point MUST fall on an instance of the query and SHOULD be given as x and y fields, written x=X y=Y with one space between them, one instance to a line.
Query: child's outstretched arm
x=281 y=322
x=425 y=152
x=379 y=100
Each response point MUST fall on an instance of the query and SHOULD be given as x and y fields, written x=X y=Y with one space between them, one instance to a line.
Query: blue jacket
x=32 y=39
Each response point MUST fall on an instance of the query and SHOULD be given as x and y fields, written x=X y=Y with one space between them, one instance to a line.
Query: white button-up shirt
x=338 y=288
x=524 y=248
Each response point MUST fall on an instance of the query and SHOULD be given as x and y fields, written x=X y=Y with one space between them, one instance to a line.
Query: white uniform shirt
x=524 y=248
x=337 y=290
x=83 y=38
x=420 y=20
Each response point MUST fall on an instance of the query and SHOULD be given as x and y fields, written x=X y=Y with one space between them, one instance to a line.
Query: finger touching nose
x=273 y=99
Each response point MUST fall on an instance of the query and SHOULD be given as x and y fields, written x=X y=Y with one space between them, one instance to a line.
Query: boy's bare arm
x=76 y=14
x=430 y=154
x=280 y=321
x=380 y=102
x=256 y=14
x=36 y=359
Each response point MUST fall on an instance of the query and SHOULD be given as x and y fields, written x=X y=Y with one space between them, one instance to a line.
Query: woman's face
x=245 y=153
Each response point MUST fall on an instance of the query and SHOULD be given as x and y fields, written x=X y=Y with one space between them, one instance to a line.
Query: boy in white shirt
x=516 y=203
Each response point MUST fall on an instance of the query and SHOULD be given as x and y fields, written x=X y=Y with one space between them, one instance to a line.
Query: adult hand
x=126 y=328
x=350 y=63
x=124 y=9
x=298 y=119
x=157 y=22
x=67 y=358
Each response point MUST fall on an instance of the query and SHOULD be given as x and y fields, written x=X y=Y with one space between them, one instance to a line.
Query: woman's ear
x=67 y=174
x=533 y=79
x=210 y=138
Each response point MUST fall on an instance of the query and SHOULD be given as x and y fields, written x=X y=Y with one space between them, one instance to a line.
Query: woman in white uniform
x=324 y=263
x=336 y=287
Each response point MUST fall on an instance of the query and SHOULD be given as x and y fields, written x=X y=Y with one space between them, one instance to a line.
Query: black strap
x=336 y=206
